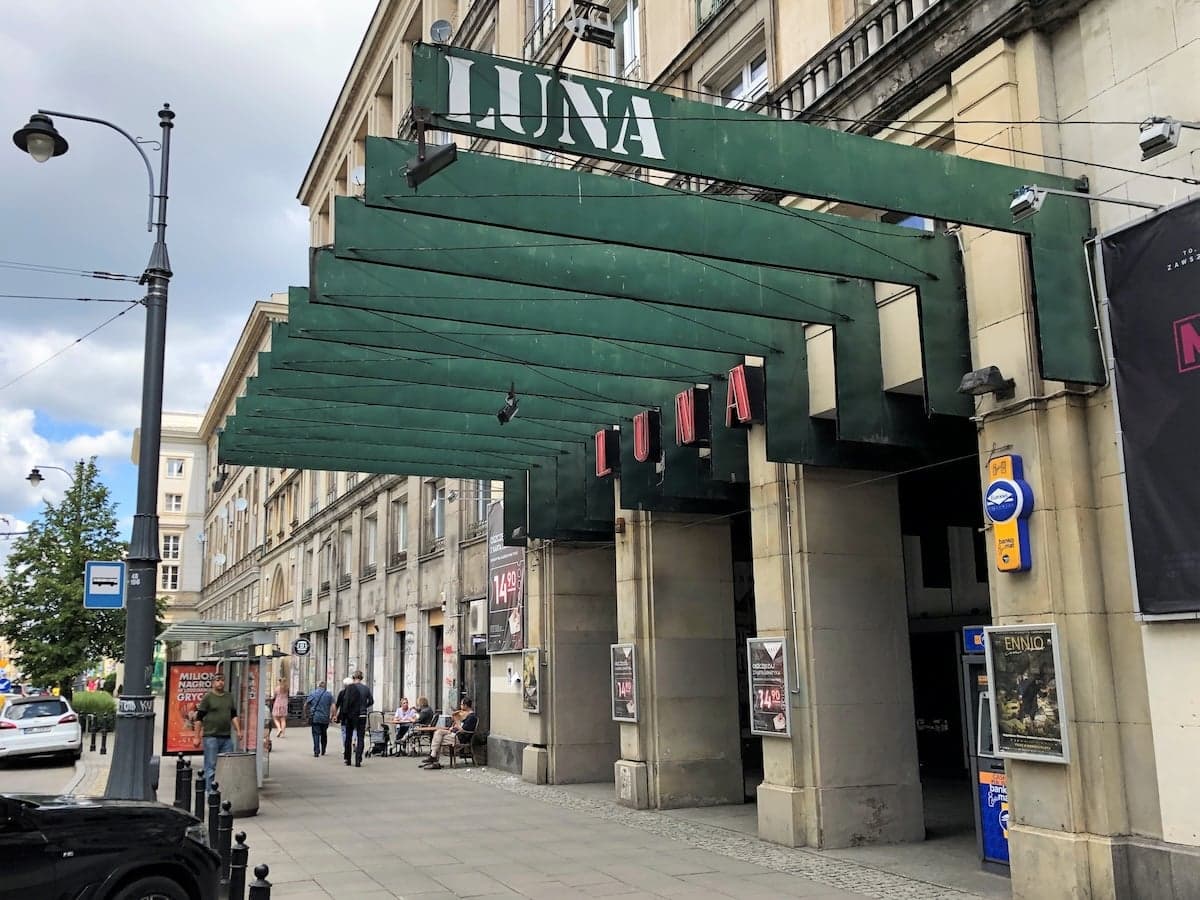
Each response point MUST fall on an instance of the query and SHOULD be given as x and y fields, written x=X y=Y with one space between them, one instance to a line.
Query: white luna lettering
x=637 y=123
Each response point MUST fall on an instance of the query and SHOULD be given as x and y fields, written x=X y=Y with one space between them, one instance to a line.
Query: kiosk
x=988 y=779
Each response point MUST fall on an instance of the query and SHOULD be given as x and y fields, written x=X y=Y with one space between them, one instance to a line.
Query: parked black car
x=85 y=848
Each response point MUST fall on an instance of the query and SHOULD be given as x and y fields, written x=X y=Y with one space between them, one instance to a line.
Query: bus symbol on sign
x=103 y=584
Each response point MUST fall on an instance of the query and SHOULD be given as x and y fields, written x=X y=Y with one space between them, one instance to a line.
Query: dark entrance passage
x=745 y=626
x=946 y=584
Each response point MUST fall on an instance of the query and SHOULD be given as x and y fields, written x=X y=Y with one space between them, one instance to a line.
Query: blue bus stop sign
x=103 y=585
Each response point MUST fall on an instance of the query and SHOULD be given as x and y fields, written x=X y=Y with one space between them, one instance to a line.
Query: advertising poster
x=1024 y=672
x=1152 y=279
x=624 y=683
x=769 y=714
x=531 y=700
x=186 y=683
x=248 y=708
x=506 y=588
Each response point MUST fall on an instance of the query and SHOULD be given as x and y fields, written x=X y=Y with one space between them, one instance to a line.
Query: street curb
x=81 y=772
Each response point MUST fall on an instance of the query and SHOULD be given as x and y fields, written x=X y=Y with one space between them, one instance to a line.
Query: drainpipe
x=783 y=468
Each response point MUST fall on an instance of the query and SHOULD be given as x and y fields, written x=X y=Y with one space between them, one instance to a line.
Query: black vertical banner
x=506 y=588
x=1152 y=275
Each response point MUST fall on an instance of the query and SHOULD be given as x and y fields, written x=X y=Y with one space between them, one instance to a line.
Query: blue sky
x=253 y=85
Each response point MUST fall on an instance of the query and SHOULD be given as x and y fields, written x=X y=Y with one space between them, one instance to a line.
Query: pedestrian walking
x=351 y=710
x=279 y=707
x=320 y=703
x=217 y=712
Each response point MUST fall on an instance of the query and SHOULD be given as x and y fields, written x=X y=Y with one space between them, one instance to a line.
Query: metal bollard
x=214 y=810
x=183 y=783
x=104 y=741
x=224 y=838
x=260 y=888
x=239 y=856
x=92 y=729
x=198 y=808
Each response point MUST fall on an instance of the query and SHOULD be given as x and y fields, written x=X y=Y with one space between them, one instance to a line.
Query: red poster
x=186 y=685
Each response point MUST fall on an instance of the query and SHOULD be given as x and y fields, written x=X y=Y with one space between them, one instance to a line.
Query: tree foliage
x=41 y=598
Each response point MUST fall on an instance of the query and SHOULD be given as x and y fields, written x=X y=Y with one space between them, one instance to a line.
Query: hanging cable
x=77 y=340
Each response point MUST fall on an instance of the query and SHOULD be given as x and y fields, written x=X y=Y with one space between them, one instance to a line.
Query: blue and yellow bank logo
x=1008 y=501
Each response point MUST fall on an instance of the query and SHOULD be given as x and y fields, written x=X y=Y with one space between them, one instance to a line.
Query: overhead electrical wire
x=76 y=299
x=46 y=269
x=77 y=340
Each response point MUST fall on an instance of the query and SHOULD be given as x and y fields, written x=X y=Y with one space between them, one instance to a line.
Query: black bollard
x=214 y=811
x=260 y=888
x=183 y=783
x=92 y=729
x=198 y=808
x=239 y=856
x=104 y=741
x=224 y=838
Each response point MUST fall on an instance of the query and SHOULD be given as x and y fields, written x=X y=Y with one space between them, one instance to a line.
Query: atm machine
x=990 y=795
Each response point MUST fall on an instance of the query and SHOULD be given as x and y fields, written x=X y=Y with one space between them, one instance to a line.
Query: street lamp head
x=40 y=139
x=35 y=476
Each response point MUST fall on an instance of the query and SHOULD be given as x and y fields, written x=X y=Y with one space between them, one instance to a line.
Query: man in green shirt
x=218 y=713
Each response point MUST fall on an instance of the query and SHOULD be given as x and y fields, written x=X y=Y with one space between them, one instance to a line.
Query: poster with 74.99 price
x=769 y=713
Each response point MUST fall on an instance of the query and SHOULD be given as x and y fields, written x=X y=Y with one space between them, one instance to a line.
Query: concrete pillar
x=571 y=617
x=675 y=603
x=848 y=775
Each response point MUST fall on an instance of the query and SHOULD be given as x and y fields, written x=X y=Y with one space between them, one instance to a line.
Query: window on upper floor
x=624 y=57
x=748 y=82
x=173 y=502
x=168 y=579
x=539 y=23
x=435 y=515
x=397 y=530
x=370 y=536
x=174 y=467
x=706 y=9
x=478 y=494
x=170 y=546
x=345 y=555
x=331 y=491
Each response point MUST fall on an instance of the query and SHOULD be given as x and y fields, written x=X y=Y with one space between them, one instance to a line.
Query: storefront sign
x=506 y=588
x=972 y=636
x=1008 y=501
x=185 y=686
x=1152 y=275
x=624 y=683
x=993 y=815
x=693 y=425
x=608 y=452
x=745 y=397
x=647 y=436
x=1025 y=674
x=769 y=713
x=531 y=699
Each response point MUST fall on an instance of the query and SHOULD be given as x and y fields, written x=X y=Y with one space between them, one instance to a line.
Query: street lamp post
x=130 y=775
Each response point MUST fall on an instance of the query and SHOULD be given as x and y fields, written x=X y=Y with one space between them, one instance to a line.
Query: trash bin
x=237 y=779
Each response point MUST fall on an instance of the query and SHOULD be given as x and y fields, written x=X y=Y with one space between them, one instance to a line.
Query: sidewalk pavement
x=389 y=829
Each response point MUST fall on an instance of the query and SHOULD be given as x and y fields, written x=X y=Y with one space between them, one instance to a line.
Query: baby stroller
x=377 y=734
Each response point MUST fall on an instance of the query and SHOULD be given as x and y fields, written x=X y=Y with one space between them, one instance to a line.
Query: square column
x=675 y=604
x=829 y=580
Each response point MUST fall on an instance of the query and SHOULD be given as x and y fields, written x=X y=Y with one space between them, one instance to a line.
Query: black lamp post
x=130 y=775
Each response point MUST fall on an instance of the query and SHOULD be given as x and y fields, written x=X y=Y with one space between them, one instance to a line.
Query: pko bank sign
x=479 y=94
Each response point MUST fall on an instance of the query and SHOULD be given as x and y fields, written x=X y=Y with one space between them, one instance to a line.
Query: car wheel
x=77 y=755
x=153 y=888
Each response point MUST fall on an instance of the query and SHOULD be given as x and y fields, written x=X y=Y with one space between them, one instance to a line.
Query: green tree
x=41 y=597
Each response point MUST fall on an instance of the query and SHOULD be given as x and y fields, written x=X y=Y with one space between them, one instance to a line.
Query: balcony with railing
x=848 y=52
x=540 y=30
x=343 y=581
x=473 y=530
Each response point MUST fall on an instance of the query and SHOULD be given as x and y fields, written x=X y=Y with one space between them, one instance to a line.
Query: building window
x=369 y=538
x=475 y=508
x=397 y=531
x=435 y=520
x=345 y=556
x=539 y=18
x=169 y=578
x=627 y=31
x=174 y=467
x=170 y=546
x=174 y=503
x=331 y=486
x=706 y=9
x=306 y=574
x=747 y=85
x=326 y=566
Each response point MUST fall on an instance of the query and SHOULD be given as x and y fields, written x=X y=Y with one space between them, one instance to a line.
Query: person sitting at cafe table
x=404 y=718
x=462 y=730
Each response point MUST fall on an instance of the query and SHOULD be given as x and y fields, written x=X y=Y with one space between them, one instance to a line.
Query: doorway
x=745 y=626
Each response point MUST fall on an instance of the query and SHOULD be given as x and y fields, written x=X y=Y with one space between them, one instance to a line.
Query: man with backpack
x=351 y=710
x=318 y=703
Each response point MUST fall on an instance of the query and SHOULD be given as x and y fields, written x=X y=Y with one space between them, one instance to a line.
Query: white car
x=32 y=726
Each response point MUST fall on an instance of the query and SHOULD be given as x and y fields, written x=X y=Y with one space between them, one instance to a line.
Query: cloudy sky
x=252 y=85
